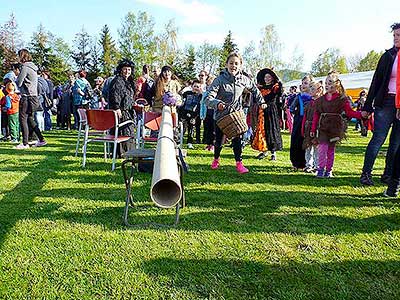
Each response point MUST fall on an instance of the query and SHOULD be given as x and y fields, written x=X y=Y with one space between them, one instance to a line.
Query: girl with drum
x=224 y=96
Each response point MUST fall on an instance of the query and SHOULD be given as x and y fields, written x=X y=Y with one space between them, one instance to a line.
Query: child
x=329 y=122
x=190 y=112
x=11 y=103
x=207 y=116
x=297 y=153
x=224 y=96
x=309 y=144
x=3 y=130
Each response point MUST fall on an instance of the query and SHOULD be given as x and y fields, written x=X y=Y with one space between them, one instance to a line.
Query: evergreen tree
x=109 y=53
x=60 y=61
x=39 y=48
x=81 y=56
x=95 y=62
x=62 y=50
x=10 y=43
x=58 y=69
x=177 y=64
x=188 y=69
x=228 y=47
x=45 y=55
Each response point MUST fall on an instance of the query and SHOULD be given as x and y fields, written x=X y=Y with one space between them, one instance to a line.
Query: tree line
x=137 y=40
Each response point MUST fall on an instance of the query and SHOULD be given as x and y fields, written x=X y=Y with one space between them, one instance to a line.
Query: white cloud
x=193 y=12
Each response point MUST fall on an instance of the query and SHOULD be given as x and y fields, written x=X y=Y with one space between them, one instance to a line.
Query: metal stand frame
x=129 y=200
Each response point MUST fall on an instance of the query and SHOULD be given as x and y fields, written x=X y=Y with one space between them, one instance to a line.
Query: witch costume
x=271 y=94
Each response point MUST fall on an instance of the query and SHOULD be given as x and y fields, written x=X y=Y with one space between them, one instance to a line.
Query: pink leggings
x=326 y=152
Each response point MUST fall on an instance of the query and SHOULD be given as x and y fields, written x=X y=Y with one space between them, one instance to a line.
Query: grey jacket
x=27 y=80
x=228 y=89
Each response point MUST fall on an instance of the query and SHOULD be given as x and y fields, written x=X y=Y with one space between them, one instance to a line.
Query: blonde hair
x=309 y=77
x=317 y=85
x=339 y=86
x=210 y=79
x=234 y=54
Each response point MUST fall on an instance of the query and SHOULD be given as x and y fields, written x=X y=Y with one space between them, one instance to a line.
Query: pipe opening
x=166 y=193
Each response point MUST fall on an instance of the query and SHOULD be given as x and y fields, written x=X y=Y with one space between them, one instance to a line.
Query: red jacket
x=12 y=103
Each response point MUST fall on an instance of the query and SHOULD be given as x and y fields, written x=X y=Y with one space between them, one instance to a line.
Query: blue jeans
x=47 y=118
x=384 y=118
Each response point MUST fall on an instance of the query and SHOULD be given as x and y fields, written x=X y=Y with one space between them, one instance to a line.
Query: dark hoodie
x=27 y=80
x=378 y=90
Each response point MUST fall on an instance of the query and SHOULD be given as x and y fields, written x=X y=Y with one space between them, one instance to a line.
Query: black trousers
x=27 y=108
x=396 y=165
x=236 y=144
x=297 y=153
x=209 y=128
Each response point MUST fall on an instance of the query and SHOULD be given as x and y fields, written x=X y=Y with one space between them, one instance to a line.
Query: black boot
x=393 y=188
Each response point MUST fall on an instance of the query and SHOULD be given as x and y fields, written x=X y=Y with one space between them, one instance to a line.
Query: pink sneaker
x=21 y=146
x=215 y=164
x=240 y=168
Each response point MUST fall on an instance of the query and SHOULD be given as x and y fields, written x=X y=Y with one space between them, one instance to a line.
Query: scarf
x=266 y=90
x=303 y=99
x=397 y=101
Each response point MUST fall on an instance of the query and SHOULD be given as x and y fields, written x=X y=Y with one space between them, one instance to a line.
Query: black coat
x=122 y=94
x=379 y=86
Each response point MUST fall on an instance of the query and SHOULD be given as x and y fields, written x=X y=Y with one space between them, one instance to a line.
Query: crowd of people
x=234 y=108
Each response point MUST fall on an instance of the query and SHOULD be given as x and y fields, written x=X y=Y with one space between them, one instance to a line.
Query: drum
x=233 y=124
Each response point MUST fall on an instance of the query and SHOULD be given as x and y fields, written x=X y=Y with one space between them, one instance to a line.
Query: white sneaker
x=190 y=146
x=21 y=146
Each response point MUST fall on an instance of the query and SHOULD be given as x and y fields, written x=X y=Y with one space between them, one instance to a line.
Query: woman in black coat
x=122 y=99
x=122 y=96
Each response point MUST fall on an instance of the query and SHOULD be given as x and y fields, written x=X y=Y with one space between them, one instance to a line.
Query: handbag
x=48 y=103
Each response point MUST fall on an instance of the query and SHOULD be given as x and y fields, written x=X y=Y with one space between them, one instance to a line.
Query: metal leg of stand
x=129 y=196
x=181 y=171
x=128 y=186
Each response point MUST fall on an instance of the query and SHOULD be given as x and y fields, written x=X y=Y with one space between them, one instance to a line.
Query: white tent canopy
x=359 y=80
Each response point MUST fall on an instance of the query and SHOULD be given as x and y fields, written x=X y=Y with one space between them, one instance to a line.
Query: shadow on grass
x=220 y=210
x=241 y=279
x=267 y=174
x=15 y=204
x=263 y=212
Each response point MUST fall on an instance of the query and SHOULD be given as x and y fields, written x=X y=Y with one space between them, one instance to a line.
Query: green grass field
x=269 y=234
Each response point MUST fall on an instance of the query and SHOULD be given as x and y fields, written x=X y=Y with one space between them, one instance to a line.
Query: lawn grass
x=269 y=234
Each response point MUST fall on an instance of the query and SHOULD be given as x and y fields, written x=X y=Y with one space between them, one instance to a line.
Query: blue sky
x=355 y=27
